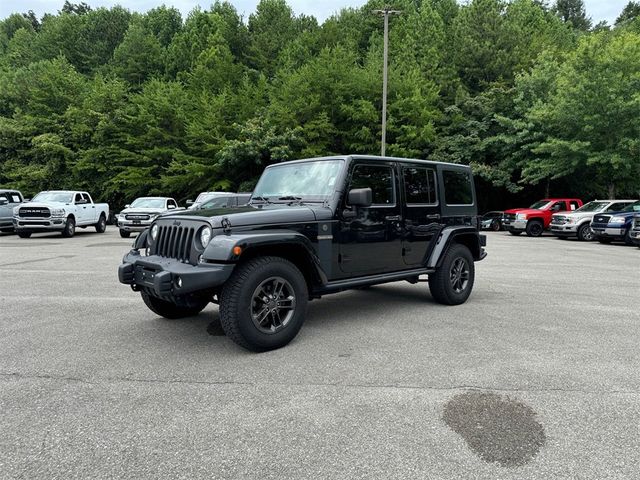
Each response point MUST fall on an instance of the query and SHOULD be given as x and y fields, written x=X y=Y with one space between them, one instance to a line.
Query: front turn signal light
x=237 y=251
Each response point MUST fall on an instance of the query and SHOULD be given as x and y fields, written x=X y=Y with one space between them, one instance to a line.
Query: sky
x=321 y=9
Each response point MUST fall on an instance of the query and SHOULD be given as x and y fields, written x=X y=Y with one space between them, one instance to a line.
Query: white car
x=578 y=223
x=59 y=211
x=205 y=197
x=142 y=212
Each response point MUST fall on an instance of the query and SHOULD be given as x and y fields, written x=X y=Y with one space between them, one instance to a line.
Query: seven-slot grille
x=175 y=242
x=35 y=212
x=559 y=220
x=136 y=216
x=601 y=218
x=509 y=217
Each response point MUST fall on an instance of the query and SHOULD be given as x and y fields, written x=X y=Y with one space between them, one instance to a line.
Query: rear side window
x=420 y=185
x=616 y=207
x=379 y=179
x=15 y=198
x=457 y=187
x=574 y=205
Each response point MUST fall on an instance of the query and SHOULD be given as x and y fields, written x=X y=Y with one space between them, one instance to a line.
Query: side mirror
x=25 y=200
x=127 y=205
x=189 y=202
x=171 y=207
x=360 y=197
x=3 y=201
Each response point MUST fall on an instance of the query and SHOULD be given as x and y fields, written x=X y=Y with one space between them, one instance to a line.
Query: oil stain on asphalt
x=495 y=427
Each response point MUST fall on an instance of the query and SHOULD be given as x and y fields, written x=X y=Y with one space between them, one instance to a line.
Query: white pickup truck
x=61 y=211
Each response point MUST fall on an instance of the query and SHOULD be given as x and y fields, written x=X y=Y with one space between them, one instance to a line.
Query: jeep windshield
x=304 y=181
x=593 y=207
x=53 y=197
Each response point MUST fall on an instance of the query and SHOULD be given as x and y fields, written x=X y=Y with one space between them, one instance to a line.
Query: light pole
x=386 y=11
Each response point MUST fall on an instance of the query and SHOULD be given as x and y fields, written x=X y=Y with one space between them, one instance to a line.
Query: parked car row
x=601 y=220
x=65 y=210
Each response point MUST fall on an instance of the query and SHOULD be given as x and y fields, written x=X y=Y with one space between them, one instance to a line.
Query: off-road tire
x=440 y=282
x=24 y=234
x=535 y=228
x=604 y=240
x=125 y=234
x=69 y=228
x=101 y=226
x=236 y=303
x=515 y=233
x=583 y=233
x=171 y=310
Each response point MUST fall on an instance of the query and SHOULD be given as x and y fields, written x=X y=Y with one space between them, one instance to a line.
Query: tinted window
x=616 y=207
x=379 y=179
x=457 y=187
x=78 y=198
x=558 y=207
x=574 y=205
x=420 y=185
x=172 y=203
x=86 y=197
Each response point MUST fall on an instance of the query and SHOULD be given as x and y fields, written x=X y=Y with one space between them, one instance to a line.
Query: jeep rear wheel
x=263 y=304
x=69 y=228
x=171 y=310
x=534 y=228
x=451 y=284
x=585 y=233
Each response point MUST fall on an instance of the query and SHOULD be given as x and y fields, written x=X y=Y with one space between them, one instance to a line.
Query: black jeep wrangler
x=312 y=227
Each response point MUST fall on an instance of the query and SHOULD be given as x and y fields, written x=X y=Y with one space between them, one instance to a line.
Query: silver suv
x=8 y=200
x=577 y=223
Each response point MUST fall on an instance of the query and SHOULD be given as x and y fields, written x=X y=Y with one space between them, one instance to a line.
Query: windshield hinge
x=226 y=224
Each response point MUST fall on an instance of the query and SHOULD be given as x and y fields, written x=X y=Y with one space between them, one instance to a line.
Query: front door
x=422 y=218
x=370 y=237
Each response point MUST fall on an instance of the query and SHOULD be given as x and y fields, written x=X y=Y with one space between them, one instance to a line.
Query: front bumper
x=514 y=224
x=129 y=226
x=617 y=232
x=39 y=224
x=564 y=230
x=170 y=277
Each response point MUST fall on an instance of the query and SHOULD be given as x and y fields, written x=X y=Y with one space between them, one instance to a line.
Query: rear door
x=422 y=220
x=370 y=241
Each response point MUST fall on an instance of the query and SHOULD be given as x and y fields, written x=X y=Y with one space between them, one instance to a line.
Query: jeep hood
x=257 y=214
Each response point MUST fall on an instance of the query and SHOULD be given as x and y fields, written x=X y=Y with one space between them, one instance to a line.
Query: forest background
x=534 y=96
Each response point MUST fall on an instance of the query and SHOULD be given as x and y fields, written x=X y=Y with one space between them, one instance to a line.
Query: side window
x=78 y=198
x=420 y=185
x=86 y=198
x=15 y=197
x=379 y=179
x=457 y=187
x=616 y=207
x=558 y=207
x=5 y=196
x=574 y=205
x=171 y=203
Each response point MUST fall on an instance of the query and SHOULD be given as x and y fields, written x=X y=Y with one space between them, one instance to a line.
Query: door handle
x=435 y=216
x=393 y=218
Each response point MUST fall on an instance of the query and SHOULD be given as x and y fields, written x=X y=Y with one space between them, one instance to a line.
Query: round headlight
x=154 y=232
x=205 y=236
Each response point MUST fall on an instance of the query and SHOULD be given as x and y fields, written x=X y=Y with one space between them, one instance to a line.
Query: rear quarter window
x=457 y=187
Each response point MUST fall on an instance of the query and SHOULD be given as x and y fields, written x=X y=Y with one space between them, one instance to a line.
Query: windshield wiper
x=259 y=199
x=292 y=198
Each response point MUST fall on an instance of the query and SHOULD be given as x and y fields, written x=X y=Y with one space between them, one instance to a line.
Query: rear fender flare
x=463 y=234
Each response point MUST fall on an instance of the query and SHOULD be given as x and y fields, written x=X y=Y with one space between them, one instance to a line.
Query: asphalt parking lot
x=536 y=376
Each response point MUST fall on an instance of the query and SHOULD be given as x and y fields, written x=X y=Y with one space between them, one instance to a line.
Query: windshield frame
x=340 y=165
x=541 y=207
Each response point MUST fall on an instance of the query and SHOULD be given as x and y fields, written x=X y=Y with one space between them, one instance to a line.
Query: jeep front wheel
x=534 y=228
x=451 y=284
x=263 y=304
x=171 y=310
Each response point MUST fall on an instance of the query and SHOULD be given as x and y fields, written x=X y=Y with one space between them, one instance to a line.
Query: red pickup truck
x=535 y=219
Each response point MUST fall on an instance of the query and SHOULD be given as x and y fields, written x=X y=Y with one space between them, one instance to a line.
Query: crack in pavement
x=310 y=384
x=36 y=260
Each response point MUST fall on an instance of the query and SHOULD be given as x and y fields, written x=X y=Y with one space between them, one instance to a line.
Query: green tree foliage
x=126 y=104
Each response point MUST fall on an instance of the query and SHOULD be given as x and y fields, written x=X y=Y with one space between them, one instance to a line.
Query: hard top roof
x=375 y=158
